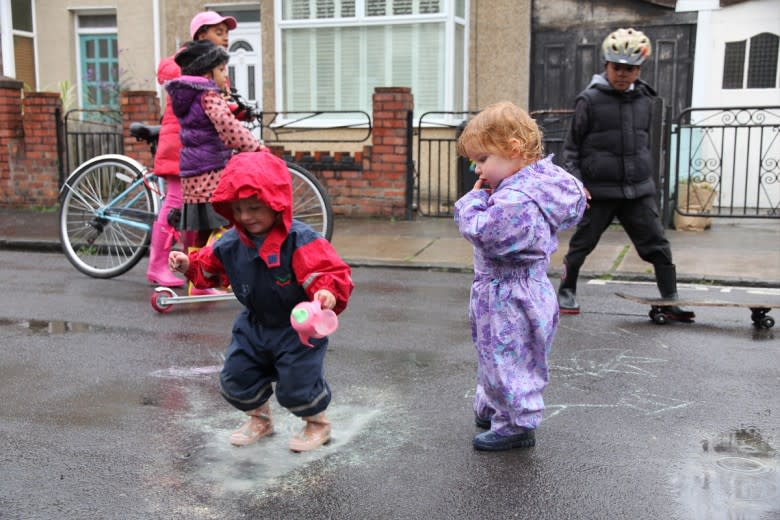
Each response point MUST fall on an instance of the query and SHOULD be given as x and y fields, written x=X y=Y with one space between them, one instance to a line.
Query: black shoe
x=491 y=441
x=675 y=313
x=567 y=301
x=482 y=423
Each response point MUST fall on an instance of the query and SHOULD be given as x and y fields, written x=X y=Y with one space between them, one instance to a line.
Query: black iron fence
x=309 y=126
x=87 y=134
x=440 y=177
x=725 y=162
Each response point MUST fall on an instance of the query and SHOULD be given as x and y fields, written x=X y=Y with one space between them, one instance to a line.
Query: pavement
x=739 y=252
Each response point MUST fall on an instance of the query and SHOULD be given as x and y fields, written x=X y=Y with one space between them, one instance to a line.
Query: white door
x=245 y=68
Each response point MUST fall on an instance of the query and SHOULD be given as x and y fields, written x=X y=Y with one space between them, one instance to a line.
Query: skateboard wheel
x=659 y=318
x=767 y=322
x=158 y=295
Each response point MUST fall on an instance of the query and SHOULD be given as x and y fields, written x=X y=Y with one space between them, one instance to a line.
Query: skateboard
x=759 y=312
x=164 y=298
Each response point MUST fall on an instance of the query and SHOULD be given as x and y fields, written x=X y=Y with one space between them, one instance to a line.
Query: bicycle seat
x=144 y=132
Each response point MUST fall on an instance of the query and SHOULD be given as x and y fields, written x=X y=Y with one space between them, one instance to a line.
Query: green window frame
x=99 y=70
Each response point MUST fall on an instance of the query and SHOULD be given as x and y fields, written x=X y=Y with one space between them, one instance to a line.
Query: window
x=762 y=64
x=734 y=65
x=760 y=69
x=23 y=41
x=98 y=61
x=335 y=52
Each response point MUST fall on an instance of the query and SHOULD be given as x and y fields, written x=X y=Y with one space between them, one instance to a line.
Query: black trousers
x=639 y=218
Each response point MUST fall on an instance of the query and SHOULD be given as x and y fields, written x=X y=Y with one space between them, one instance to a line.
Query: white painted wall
x=715 y=27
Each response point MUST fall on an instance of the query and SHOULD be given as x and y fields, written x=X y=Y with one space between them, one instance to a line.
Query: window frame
x=7 y=40
x=748 y=44
x=92 y=31
x=447 y=17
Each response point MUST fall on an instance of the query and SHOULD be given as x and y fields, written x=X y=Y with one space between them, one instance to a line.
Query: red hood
x=264 y=176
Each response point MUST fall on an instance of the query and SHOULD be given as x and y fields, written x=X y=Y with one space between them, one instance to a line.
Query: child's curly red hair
x=505 y=129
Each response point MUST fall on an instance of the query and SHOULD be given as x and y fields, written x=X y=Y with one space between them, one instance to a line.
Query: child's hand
x=481 y=184
x=178 y=261
x=326 y=298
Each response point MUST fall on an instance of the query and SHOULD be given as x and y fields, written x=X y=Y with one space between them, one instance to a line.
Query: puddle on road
x=734 y=475
x=46 y=328
x=205 y=460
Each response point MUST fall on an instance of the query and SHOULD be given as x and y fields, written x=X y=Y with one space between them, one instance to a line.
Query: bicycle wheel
x=106 y=215
x=311 y=203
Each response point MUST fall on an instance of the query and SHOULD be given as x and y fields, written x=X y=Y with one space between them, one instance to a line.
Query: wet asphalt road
x=110 y=410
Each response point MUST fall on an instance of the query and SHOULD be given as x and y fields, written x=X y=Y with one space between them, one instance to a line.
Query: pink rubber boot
x=314 y=434
x=258 y=426
x=158 y=273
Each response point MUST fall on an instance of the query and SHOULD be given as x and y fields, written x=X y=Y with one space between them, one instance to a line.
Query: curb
x=36 y=246
x=49 y=246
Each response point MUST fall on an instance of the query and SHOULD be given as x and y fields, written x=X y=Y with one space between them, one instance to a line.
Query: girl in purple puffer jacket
x=209 y=132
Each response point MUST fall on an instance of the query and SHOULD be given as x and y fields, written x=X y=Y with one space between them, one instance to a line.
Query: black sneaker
x=491 y=441
x=567 y=301
x=675 y=313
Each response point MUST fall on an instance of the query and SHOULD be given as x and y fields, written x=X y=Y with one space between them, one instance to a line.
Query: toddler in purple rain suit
x=511 y=217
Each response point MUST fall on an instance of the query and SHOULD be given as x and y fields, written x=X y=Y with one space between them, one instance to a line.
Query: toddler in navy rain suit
x=272 y=262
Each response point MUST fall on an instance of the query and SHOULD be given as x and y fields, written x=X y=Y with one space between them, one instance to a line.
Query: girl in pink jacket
x=206 y=25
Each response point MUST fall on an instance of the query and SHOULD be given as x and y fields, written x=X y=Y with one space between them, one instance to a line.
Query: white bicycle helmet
x=627 y=46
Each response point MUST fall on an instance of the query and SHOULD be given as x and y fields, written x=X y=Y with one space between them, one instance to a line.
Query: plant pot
x=695 y=198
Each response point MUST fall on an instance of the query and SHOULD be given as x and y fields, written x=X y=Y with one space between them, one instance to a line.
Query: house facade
x=286 y=55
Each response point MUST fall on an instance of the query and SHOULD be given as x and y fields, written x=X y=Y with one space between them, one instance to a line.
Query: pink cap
x=210 y=18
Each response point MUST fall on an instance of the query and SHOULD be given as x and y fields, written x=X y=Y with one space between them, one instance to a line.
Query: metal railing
x=725 y=162
x=89 y=133
x=314 y=126
x=441 y=177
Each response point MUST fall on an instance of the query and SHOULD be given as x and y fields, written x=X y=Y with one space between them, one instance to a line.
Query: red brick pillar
x=386 y=176
x=140 y=106
x=11 y=132
x=41 y=183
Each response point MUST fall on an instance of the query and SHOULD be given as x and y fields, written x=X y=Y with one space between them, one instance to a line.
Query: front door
x=245 y=68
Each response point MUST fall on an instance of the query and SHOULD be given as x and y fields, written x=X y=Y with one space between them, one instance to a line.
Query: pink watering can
x=310 y=320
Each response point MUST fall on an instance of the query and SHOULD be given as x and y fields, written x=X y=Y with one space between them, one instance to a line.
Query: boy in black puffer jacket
x=608 y=149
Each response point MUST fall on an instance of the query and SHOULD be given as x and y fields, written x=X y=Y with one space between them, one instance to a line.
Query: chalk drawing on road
x=644 y=403
x=184 y=372
x=603 y=362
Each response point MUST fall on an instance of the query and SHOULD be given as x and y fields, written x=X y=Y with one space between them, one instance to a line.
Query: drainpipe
x=156 y=28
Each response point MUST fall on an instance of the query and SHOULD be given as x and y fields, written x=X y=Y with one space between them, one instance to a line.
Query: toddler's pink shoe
x=314 y=434
x=258 y=426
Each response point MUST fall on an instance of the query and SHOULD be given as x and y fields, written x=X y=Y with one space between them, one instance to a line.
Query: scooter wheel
x=158 y=295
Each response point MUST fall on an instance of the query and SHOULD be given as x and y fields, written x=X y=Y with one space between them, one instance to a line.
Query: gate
x=725 y=162
x=87 y=134
x=441 y=177
x=440 y=174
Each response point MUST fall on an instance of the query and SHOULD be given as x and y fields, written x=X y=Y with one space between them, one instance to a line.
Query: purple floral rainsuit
x=513 y=307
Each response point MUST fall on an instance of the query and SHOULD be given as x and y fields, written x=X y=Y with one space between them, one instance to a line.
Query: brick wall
x=141 y=106
x=29 y=167
x=371 y=183
x=379 y=189
x=10 y=132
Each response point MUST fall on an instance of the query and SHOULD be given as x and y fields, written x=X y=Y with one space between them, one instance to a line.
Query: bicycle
x=109 y=203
